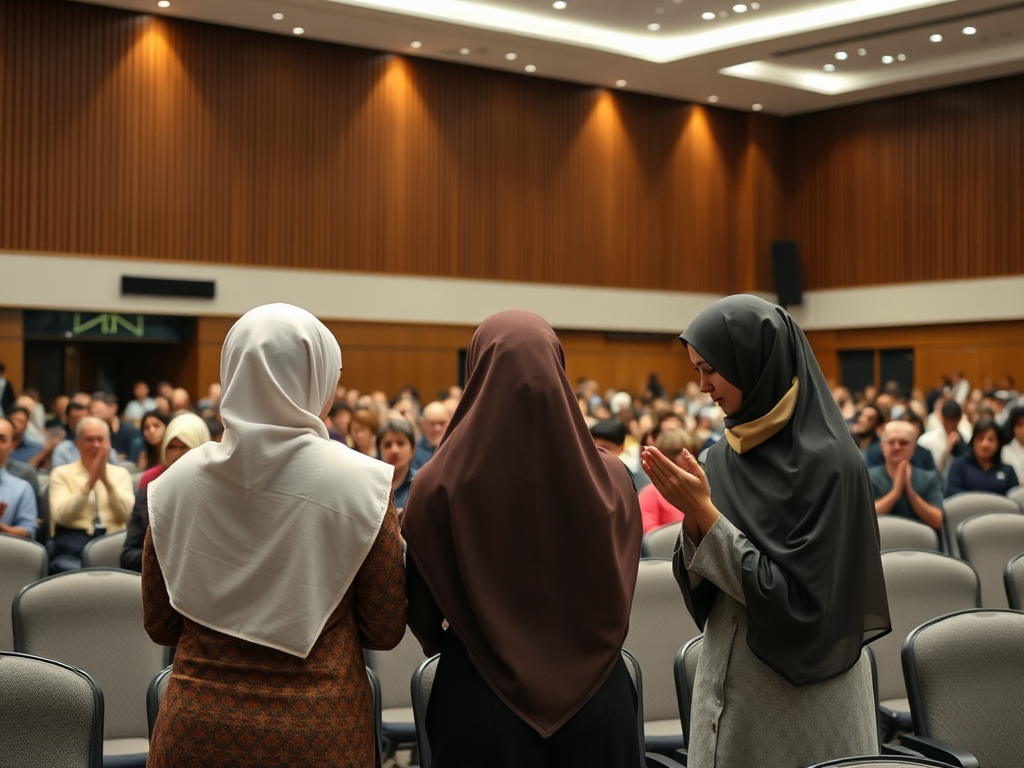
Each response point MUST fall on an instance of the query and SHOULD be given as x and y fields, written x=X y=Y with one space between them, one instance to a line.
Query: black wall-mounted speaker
x=786 y=272
x=155 y=286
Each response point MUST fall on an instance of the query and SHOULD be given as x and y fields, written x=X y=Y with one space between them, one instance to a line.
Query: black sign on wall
x=106 y=326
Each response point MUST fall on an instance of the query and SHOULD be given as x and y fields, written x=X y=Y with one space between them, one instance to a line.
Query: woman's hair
x=671 y=441
x=153 y=451
x=395 y=424
x=982 y=426
x=1016 y=414
x=367 y=417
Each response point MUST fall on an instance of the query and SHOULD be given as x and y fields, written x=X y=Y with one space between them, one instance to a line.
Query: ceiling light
x=559 y=5
x=723 y=14
x=510 y=56
x=708 y=16
x=756 y=107
x=654 y=26
x=713 y=99
x=969 y=30
x=530 y=68
x=841 y=56
x=740 y=8
x=164 y=4
x=464 y=51
x=754 y=6
x=620 y=83
x=416 y=44
x=298 y=31
x=936 y=38
x=887 y=59
x=829 y=67
x=277 y=17
x=862 y=51
x=901 y=57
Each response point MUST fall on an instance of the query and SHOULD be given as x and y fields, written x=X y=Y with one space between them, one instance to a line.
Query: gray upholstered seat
x=1017 y=494
x=21 y=562
x=958 y=508
x=921 y=585
x=105 y=551
x=661 y=541
x=895 y=532
x=93 y=620
x=964 y=674
x=394 y=669
x=988 y=542
x=155 y=695
x=880 y=761
x=685 y=674
x=52 y=715
x=1013 y=580
x=658 y=624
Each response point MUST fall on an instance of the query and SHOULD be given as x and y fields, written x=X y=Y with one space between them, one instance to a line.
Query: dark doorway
x=897 y=365
x=857 y=369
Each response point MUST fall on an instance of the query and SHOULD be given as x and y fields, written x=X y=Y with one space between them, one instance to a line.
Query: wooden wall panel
x=922 y=187
x=136 y=135
x=12 y=347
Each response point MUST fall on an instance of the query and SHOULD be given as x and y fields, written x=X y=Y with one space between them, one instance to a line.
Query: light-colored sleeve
x=719 y=557
x=121 y=493
x=67 y=500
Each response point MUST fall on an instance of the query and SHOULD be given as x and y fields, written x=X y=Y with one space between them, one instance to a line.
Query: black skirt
x=468 y=725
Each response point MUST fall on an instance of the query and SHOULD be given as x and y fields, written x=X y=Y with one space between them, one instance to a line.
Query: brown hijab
x=527 y=534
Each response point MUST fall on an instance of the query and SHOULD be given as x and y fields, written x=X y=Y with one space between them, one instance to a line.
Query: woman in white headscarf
x=272 y=560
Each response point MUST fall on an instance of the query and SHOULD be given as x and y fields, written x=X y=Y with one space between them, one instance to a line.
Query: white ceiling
x=772 y=54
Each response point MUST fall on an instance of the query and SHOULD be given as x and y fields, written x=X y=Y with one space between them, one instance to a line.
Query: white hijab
x=260 y=536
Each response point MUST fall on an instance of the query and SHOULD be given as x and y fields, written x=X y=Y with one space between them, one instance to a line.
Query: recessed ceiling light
x=464 y=51
x=887 y=59
x=708 y=16
x=530 y=68
x=936 y=38
x=723 y=14
x=416 y=44
x=654 y=26
x=620 y=83
x=969 y=30
x=756 y=107
x=298 y=31
x=277 y=17
x=713 y=99
x=841 y=56
x=901 y=57
x=559 y=5
x=740 y=8
x=164 y=4
x=862 y=51
x=510 y=56
x=754 y=6
x=829 y=67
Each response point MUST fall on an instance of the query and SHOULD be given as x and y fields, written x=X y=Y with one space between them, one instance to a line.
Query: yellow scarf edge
x=744 y=437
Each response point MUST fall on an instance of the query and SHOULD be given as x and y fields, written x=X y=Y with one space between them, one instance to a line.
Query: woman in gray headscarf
x=778 y=558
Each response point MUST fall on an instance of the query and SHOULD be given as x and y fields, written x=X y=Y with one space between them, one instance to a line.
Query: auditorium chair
x=959 y=507
x=394 y=668
x=895 y=532
x=22 y=562
x=988 y=542
x=1013 y=580
x=104 y=551
x=660 y=541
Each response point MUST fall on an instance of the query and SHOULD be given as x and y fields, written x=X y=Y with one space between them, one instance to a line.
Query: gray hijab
x=816 y=594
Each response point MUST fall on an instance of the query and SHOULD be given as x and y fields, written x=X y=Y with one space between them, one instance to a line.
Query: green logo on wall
x=109 y=324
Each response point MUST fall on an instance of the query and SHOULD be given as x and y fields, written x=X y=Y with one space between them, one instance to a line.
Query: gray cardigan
x=744 y=713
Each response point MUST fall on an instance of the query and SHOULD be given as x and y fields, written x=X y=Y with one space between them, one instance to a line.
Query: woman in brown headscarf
x=524 y=537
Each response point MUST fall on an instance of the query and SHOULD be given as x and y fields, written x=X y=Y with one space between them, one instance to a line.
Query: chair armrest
x=896 y=749
x=682 y=756
x=654 y=760
x=940 y=750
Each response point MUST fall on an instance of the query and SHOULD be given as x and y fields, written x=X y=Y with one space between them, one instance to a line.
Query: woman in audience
x=272 y=559
x=151 y=433
x=524 y=540
x=396 y=443
x=1013 y=442
x=982 y=467
x=362 y=431
x=655 y=510
x=183 y=433
x=779 y=561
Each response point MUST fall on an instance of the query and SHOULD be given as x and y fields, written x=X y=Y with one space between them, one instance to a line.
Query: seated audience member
x=141 y=405
x=610 y=434
x=337 y=421
x=655 y=511
x=921 y=458
x=900 y=488
x=26 y=449
x=210 y=404
x=362 y=431
x=1013 y=441
x=31 y=402
x=395 y=441
x=66 y=451
x=6 y=392
x=947 y=442
x=19 y=515
x=215 y=427
x=183 y=433
x=88 y=498
x=60 y=413
x=153 y=425
x=433 y=423
x=180 y=401
x=982 y=468
x=122 y=433
x=960 y=388
x=867 y=427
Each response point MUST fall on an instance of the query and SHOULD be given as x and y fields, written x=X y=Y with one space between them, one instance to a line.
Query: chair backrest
x=93 y=620
x=881 y=761
x=155 y=695
x=394 y=668
x=105 y=551
x=1013 y=578
x=964 y=675
x=21 y=562
x=988 y=542
x=378 y=726
x=1017 y=494
x=660 y=541
x=52 y=714
x=895 y=532
x=959 y=507
x=920 y=585
x=422 y=683
x=658 y=624
x=685 y=673
x=633 y=667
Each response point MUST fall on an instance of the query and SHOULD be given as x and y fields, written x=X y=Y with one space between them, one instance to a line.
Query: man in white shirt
x=948 y=441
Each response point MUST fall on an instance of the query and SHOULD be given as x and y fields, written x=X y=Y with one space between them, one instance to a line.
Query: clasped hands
x=684 y=487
